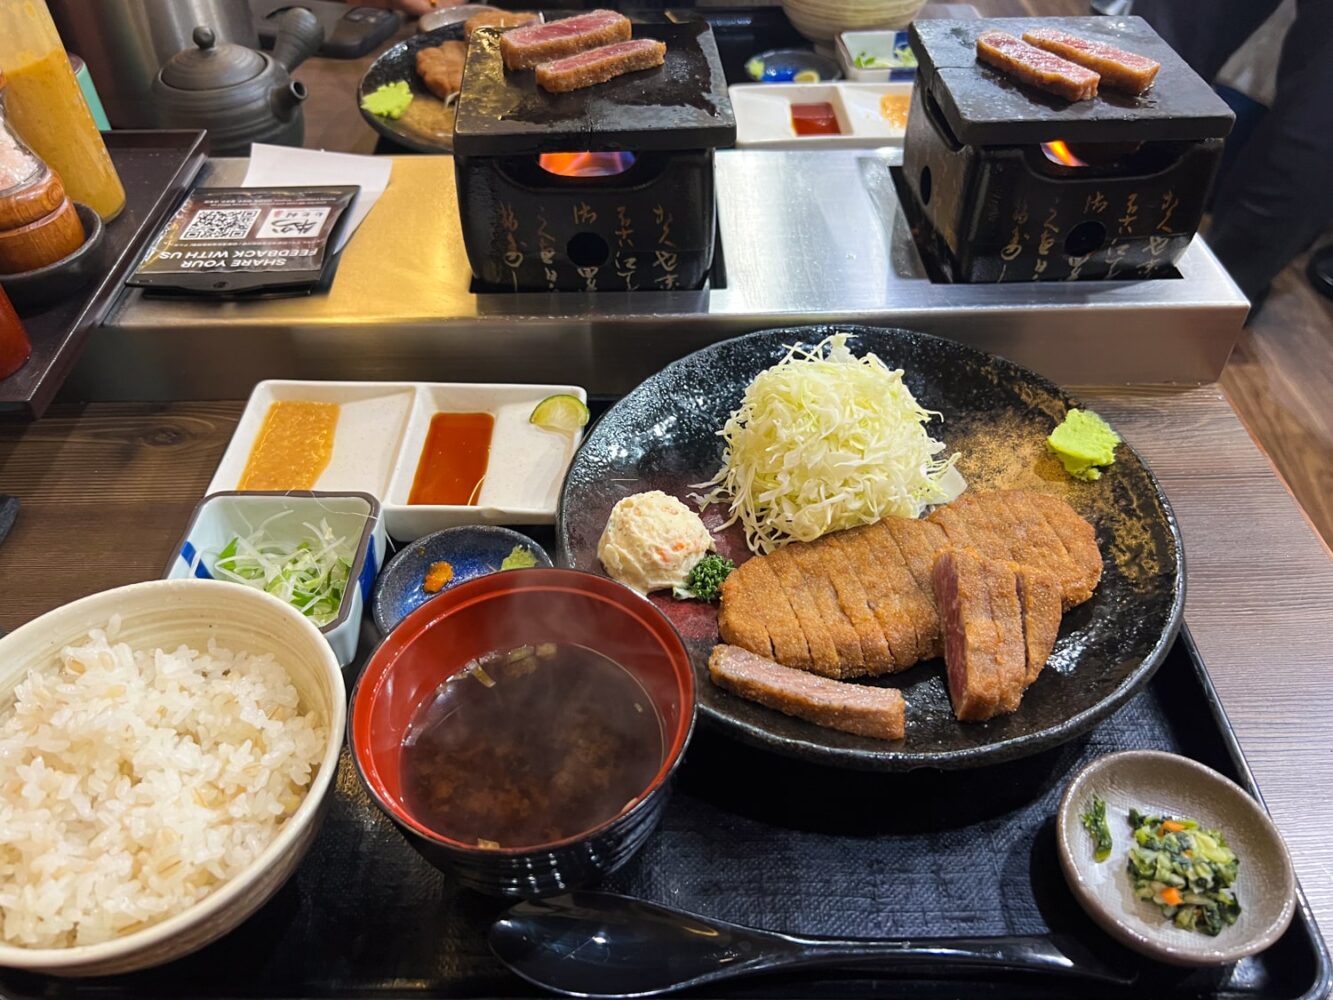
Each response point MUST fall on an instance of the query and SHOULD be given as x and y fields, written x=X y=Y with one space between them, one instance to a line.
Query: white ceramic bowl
x=222 y=516
x=821 y=20
x=167 y=613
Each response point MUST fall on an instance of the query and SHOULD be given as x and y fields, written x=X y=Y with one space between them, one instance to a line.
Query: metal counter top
x=806 y=236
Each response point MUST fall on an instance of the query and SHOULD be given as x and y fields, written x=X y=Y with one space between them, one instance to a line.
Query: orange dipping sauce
x=894 y=108
x=814 y=119
x=453 y=459
x=293 y=446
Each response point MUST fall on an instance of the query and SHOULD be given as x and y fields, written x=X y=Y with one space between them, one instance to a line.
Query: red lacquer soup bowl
x=499 y=612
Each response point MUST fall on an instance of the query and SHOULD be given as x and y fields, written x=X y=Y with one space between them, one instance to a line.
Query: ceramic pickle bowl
x=221 y=517
x=1167 y=784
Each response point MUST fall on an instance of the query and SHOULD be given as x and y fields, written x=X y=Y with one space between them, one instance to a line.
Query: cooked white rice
x=133 y=783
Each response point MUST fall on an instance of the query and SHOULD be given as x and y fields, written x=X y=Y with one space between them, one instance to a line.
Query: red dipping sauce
x=814 y=119
x=453 y=460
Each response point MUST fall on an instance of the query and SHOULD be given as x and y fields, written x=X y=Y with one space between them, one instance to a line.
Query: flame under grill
x=600 y=164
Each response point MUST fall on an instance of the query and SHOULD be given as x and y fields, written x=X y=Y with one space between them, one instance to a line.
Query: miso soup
x=529 y=746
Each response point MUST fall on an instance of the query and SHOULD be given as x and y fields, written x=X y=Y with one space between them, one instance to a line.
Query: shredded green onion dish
x=311 y=575
x=1094 y=821
x=1188 y=872
x=824 y=441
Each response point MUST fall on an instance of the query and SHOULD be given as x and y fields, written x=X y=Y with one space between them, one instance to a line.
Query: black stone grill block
x=989 y=205
x=649 y=228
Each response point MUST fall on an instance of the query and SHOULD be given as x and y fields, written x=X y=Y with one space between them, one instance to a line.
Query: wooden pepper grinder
x=14 y=344
x=38 y=223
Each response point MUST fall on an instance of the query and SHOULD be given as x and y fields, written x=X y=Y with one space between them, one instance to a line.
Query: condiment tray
x=764 y=114
x=378 y=442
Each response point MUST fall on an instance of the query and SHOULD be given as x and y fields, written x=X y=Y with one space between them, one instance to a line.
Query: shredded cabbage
x=824 y=441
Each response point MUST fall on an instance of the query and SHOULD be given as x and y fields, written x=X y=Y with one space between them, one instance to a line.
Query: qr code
x=221 y=224
x=292 y=223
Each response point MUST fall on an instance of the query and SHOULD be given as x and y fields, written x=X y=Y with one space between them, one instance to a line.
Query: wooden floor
x=1280 y=378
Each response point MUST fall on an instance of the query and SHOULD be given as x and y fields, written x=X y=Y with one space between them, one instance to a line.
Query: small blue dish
x=471 y=550
x=784 y=65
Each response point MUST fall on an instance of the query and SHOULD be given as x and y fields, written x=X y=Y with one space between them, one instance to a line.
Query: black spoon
x=598 y=944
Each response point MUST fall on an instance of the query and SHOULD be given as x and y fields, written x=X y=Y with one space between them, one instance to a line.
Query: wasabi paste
x=1085 y=444
x=388 y=101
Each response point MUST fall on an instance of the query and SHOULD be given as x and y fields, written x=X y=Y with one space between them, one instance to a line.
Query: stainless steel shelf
x=807 y=237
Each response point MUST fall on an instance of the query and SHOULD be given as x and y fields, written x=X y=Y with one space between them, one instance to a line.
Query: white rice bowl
x=162 y=770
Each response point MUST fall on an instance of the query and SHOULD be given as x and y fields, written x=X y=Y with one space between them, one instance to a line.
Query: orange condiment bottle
x=14 y=344
x=46 y=108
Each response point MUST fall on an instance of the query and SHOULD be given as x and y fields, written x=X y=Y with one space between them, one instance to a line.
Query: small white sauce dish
x=380 y=432
x=1167 y=784
x=356 y=516
x=526 y=467
x=764 y=114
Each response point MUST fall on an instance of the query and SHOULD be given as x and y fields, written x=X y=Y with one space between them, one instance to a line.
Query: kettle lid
x=209 y=66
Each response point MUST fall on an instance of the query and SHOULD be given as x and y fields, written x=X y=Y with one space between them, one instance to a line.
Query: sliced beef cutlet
x=972 y=654
x=862 y=709
x=861 y=567
x=819 y=576
x=919 y=541
x=823 y=654
x=1039 y=597
x=1033 y=542
x=1006 y=613
x=1033 y=529
x=753 y=601
x=1000 y=621
x=841 y=566
x=864 y=601
x=976 y=521
x=1076 y=535
x=892 y=592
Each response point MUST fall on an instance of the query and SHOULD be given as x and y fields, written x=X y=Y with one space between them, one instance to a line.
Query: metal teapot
x=239 y=94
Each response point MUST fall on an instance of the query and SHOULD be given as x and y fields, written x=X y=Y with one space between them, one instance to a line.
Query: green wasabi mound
x=1084 y=443
x=388 y=101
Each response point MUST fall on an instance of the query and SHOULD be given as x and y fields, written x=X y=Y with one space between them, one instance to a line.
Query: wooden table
x=107 y=489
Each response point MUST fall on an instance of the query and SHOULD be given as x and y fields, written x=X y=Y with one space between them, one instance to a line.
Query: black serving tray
x=156 y=168
x=756 y=839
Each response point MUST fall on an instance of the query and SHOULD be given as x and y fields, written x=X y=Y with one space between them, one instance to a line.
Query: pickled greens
x=823 y=441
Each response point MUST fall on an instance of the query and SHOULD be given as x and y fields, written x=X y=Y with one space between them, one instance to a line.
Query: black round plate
x=663 y=435
x=423 y=127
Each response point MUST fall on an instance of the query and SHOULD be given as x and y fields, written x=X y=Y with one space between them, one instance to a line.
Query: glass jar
x=45 y=106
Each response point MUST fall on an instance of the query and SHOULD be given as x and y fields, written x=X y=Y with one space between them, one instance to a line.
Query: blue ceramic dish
x=783 y=65
x=471 y=550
